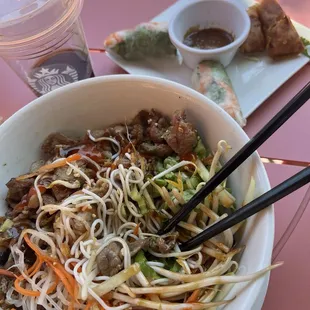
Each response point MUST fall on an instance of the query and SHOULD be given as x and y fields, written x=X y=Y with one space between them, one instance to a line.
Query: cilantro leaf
x=306 y=43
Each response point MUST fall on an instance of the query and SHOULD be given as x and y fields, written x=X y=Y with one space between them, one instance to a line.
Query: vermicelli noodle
x=94 y=211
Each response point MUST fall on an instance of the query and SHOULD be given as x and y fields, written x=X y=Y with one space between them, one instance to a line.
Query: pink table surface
x=290 y=284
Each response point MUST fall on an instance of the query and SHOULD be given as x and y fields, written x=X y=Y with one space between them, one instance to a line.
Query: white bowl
x=102 y=101
x=228 y=15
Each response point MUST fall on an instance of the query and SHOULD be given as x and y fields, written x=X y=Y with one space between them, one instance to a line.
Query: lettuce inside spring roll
x=145 y=40
x=211 y=79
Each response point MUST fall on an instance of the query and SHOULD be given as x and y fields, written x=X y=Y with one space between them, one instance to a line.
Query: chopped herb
x=306 y=43
x=200 y=150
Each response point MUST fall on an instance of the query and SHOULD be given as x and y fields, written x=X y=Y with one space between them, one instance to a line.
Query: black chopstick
x=285 y=188
x=275 y=123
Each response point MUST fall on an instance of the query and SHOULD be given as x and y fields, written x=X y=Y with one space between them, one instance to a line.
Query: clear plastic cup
x=44 y=43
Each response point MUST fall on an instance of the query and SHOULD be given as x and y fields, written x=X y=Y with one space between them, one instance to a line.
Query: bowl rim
x=266 y=252
x=219 y=50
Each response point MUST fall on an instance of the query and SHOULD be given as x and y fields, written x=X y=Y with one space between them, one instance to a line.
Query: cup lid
x=13 y=11
x=24 y=20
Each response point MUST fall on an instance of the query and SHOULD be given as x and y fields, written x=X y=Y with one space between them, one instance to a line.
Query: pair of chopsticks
x=244 y=153
x=280 y=161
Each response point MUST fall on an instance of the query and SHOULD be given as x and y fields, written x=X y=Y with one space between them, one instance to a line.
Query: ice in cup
x=44 y=43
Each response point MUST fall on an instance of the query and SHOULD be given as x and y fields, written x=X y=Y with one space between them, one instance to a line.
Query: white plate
x=253 y=81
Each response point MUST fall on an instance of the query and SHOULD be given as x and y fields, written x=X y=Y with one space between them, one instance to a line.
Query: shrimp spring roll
x=145 y=40
x=281 y=36
x=211 y=79
x=255 y=41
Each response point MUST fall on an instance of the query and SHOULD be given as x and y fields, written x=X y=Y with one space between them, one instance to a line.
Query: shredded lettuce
x=6 y=225
x=159 y=167
x=171 y=176
x=148 y=272
x=175 y=267
x=188 y=194
x=178 y=184
x=168 y=163
x=194 y=181
x=136 y=196
x=200 y=150
x=202 y=170
x=226 y=199
x=162 y=166
x=123 y=211
x=171 y=161
x=161 y=182
x=170 y=264
x=164 y=206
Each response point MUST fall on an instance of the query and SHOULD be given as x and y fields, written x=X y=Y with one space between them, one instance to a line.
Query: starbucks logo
x=47 y=78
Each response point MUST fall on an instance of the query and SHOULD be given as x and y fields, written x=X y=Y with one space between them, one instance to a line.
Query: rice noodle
x=115 y=212
x=203 y=283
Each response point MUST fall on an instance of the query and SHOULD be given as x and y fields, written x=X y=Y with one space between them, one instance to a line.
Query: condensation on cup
x=44 y=43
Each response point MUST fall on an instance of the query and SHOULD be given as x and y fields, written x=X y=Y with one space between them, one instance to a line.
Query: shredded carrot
x=27 y=176
x=65 y=272
x=113 y=166
x=7 y=273
x=136 y=230
x=52 y=166
x=71 y=306
x=39 y=253
x=64 y=278
x=31 y=293
x=59 y=163
x=24 y=291
x=89 y=304
x=35 y=267
x=58 y=269
x=194 y=296
x=60 y=272
x=76 y=291
x=51 y=288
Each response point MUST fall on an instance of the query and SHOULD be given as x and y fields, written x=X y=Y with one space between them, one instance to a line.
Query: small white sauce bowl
x=228 y=15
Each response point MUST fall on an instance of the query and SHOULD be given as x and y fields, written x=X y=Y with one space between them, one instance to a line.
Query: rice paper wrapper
x=145 y=40
x=211 y=79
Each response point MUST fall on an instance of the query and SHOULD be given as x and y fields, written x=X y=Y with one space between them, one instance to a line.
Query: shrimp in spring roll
x=281 y=36
x=145 y=40
x=211 y=79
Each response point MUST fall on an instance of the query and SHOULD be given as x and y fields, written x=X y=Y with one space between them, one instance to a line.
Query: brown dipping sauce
x=208 y=38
